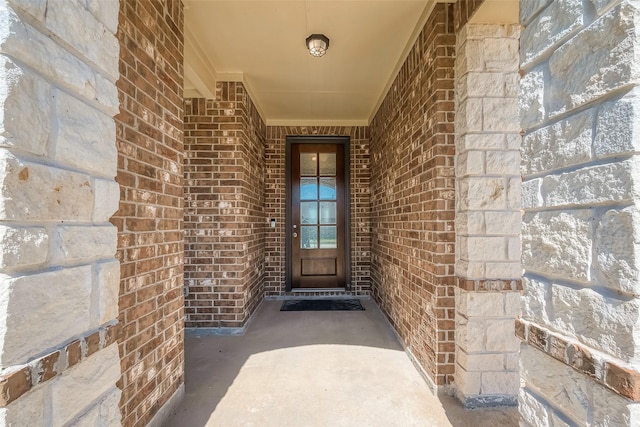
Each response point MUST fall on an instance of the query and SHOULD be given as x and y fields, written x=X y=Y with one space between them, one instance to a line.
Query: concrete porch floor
x=314 y=369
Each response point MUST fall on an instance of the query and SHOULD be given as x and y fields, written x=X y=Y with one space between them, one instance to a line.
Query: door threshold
x=312 y=290
x=317 y=295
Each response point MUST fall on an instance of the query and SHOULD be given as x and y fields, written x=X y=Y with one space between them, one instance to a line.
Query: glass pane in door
x=308 y=188
x=327 y=188
x=328 y=237
x=327 y=212
x=309 y=237
x=309 y=212
x=308 y=164
x=328 y=164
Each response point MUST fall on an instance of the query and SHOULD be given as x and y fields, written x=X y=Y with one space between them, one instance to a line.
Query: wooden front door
x=318 y=215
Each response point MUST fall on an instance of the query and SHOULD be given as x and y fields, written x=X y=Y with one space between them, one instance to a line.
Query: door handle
x=295 y=234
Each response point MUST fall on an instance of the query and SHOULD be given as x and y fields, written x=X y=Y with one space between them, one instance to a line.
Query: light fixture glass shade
x=317 y=44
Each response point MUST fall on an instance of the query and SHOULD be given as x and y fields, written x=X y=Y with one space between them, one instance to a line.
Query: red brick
x=412 y=150
x=47 y=367
x=14 y=384
x=74 y=352
x=216 y=178
x=150 y=156
x=624 y=381
x=92 y=343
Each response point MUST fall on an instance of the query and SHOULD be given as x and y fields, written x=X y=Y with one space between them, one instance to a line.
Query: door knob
x=295 y=234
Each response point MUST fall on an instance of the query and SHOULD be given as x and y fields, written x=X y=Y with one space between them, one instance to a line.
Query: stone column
x=579 y=107
x=58 y=274
x=487 y=214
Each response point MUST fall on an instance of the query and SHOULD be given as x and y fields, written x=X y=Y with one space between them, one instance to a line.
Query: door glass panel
x=308 y=164
x=328 y=164
x=327 y=212
x=328 y=237
x=308 y=189
x=309 y=212
x=309 y=237
x=327 y=188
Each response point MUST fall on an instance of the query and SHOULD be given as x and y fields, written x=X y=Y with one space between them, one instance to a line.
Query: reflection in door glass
x=327 y=188
x=308 y=164
x=309 y=237
x=328 y=238
x=328 y=164
x=308 y=189
x=327 y=212
x=309 y=212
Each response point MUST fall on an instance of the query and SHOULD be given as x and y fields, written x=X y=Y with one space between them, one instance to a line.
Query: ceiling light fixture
x=317 y=44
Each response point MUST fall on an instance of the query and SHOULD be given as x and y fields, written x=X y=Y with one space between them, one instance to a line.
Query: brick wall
x=412 y=199
x=580 y=111
x=149 y=220
x=224 y=219
x=59 y=279
x=275 y=262
x=463 y=11
x=235 y=183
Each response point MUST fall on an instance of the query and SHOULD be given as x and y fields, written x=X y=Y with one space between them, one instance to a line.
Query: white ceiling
x=262 y=43
x=497 y=12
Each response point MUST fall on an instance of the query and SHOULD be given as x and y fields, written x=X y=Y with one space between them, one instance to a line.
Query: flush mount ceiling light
x=317 y=44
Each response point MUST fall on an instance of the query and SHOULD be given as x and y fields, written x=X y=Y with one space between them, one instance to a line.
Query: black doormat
x=322 y=305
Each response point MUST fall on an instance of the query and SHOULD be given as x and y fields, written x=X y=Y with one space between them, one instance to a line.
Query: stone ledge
x=489 y=285
x=21 y=379
x=487 y=401
x=605 y=370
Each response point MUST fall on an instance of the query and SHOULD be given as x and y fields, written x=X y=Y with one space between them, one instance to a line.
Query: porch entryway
x=340 y=368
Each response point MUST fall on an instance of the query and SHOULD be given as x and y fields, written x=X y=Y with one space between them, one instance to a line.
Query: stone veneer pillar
x=487 y=214
x=59 y=278
x=580 y=109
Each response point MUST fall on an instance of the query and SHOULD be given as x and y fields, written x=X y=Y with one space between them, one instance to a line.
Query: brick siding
x=224 y=218
x=463 y=11
x=235 y=183
x=412 y=202
x=149 y=221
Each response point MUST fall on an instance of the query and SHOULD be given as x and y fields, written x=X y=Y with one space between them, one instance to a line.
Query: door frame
x=345 y=142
